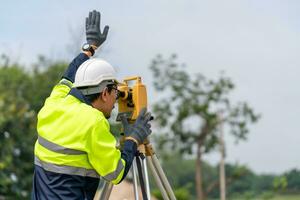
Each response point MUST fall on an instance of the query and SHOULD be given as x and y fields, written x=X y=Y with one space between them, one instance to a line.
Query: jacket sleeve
x=128 y=153
x=106 y=159
x=73 y=66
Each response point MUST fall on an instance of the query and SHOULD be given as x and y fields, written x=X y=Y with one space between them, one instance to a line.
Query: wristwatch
x=88 y=47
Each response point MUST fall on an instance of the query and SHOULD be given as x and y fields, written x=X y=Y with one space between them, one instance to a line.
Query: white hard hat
x=92 y=72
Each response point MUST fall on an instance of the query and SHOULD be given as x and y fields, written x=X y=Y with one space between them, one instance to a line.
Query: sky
x=255 y=42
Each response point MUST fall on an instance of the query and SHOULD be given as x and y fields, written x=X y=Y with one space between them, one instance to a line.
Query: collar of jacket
x=76 y=93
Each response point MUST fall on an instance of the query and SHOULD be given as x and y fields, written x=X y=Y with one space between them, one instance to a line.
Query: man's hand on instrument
x=141 y=128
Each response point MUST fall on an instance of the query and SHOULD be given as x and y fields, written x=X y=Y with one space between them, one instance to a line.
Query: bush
x=267 y=195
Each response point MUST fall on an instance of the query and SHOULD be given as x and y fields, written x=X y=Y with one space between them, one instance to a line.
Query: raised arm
x=94 y=39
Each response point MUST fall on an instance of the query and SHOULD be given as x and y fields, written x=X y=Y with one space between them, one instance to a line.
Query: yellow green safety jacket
x=74 y=138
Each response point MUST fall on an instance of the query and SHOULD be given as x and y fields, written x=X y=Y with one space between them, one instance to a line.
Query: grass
x=286 y=197
x=277 y=197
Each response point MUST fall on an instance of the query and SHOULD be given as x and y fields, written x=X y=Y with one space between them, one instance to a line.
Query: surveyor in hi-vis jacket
x=75 y=146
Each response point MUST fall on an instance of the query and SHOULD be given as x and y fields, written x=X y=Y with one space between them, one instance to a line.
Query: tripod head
x=131 y=99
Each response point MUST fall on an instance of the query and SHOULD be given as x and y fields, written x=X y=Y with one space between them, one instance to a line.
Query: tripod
x=145 y=155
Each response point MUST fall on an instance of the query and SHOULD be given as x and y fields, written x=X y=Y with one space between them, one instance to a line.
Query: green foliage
x=44 y=76
x=17 y=129
x=244 y=182
x=280 y=183
x=293 y=179
x=286 y=197
x=263 y=183
x=22 y=94
x=181 y=194
x=267 y=195
x=249 y=195
x=183 y=178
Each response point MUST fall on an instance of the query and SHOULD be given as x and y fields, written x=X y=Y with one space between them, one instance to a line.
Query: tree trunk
x=222 y=166
x=199 y=186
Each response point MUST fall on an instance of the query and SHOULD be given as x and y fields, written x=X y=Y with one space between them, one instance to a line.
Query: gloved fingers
x=97 y=20
x=141 y=114
x=148 y=126
x=86 y=23
x=105 y=32
x=149 y=131
x=147 y=117
x=124 y=120
x=90 y=18
x=145 y=131
x=93 y=20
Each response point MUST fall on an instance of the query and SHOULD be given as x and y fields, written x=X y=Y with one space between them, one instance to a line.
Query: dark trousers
x=54 y=186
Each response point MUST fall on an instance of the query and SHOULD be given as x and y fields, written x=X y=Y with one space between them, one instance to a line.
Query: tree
x=191 y=100
x=293 y=179
x=22 y=94
x=16 y=127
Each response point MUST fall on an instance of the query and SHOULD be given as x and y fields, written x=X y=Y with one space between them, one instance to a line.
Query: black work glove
x=141 y=128
x=92 y=27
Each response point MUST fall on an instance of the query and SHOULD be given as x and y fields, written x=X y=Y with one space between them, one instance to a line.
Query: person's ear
x=104 y=94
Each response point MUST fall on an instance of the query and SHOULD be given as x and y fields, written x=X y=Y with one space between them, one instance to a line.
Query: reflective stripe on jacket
x=74 y=138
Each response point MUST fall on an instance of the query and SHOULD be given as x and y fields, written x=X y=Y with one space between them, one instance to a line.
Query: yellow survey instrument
x=131 y=98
